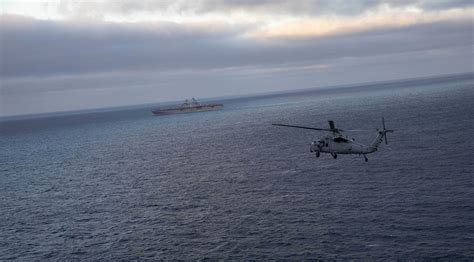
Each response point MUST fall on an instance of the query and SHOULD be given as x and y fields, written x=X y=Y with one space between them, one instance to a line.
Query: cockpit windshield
x=340 y=140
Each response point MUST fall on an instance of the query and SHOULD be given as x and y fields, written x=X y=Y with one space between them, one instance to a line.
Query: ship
x=189 y=106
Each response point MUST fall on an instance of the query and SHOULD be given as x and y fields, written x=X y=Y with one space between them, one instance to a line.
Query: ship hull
x=196 y=109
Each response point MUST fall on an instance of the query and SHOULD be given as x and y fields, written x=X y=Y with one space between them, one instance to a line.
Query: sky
x=65 y=55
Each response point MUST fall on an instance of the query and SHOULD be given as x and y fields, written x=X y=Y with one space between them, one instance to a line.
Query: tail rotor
x=385 y=131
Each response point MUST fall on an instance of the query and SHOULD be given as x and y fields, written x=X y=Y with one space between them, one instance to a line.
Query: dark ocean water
x=228 y=185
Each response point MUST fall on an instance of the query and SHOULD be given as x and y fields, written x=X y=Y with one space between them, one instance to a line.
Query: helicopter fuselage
x=340 y=146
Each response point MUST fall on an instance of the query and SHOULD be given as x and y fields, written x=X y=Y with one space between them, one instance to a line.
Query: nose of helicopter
x=316 y=146
x=321 y=144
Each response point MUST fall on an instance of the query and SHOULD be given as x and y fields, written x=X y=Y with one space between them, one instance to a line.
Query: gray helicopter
x=336 y=143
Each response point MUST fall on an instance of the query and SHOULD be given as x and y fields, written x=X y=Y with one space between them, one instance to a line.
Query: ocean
x=227 y=185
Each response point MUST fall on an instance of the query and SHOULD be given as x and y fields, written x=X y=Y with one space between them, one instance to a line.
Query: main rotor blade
x=356 y=130
x=304 y=127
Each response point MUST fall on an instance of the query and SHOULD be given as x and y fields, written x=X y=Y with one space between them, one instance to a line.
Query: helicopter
x=337 y=143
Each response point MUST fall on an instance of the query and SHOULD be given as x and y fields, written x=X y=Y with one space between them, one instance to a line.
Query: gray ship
x=189 y=106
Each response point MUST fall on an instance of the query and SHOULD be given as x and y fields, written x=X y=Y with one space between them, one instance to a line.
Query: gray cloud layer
x=44 y=48
x=300 y=7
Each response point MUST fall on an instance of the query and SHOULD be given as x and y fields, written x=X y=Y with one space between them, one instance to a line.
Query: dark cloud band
x=44 y=48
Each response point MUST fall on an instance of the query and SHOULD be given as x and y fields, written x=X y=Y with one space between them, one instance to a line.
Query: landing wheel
x=317 y=153
x=335 y=156
x=366 y=159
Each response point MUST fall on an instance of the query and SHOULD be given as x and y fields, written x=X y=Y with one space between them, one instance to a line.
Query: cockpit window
x=340 y=140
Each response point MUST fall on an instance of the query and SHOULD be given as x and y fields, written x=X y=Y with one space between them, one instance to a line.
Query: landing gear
x=366 y=158
x=317 y=153
x=334 y=155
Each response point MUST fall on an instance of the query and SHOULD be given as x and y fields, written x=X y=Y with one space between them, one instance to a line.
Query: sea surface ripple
x=127 y=185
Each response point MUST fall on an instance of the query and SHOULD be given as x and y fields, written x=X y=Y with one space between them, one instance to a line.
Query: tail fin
x=382 y=133
x=378 y=140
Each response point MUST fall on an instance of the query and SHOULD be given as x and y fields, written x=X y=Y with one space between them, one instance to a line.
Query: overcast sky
x=68 y=55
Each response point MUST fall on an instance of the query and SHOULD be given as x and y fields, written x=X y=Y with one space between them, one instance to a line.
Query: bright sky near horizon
x=62 y=55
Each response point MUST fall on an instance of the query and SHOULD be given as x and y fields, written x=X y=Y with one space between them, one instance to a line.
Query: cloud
x=43 y=48
x=310 y=27
x=37 y=47
x=235 y=11
x=73 y=8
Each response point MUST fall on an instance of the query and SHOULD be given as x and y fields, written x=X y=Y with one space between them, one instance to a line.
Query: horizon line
x=19 y=117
